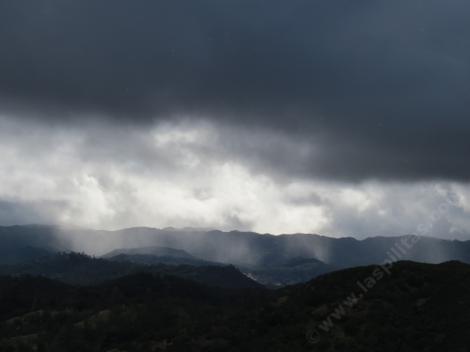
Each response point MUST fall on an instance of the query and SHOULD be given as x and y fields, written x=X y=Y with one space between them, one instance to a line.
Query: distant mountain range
x=271 y=260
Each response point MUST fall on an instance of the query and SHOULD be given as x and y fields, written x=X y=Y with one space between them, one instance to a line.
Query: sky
x=338 y=117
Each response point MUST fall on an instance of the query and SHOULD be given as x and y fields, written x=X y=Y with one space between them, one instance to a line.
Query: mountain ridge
x=264 y=256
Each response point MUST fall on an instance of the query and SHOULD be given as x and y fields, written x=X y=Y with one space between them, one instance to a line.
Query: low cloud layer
x=185 y=174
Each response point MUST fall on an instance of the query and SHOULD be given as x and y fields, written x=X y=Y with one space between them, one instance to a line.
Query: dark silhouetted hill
x=80 y=269
x=418 y=307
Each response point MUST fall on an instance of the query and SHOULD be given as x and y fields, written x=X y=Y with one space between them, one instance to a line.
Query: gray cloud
x=275 y=116
x=382 y=85
x=190 y=174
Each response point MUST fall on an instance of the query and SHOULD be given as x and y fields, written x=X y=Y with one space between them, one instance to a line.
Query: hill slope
x=80 y=269
x=418 y=307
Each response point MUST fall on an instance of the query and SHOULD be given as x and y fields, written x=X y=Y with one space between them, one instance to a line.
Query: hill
x=156 y=255
x=153 y=251
x=80 y=269
x=418 y=307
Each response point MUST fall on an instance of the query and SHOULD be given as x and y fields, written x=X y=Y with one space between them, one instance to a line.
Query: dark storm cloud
x=378 y=89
